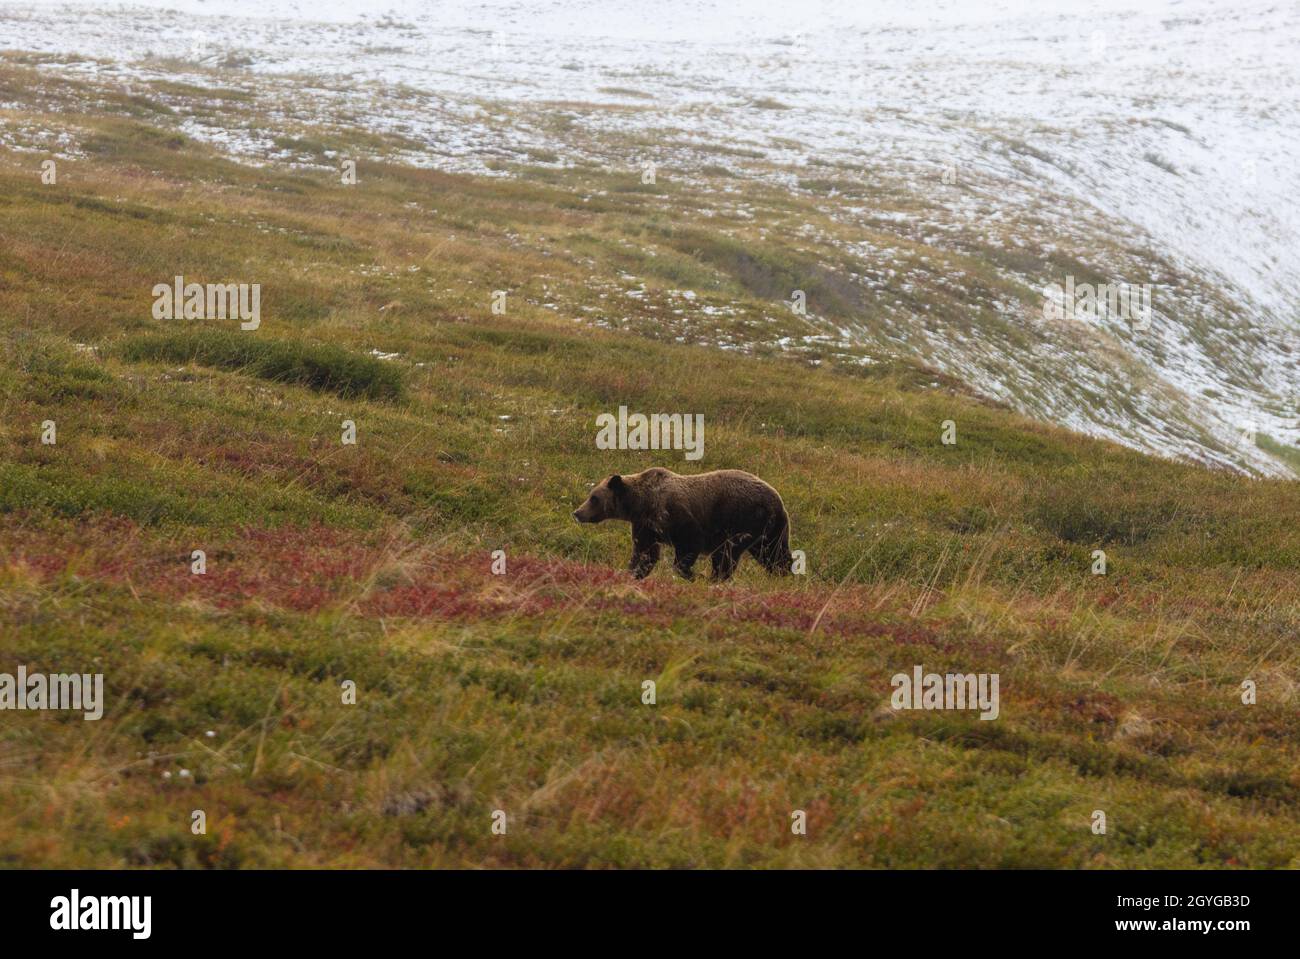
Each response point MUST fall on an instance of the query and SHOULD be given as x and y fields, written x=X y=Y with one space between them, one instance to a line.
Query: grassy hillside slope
x=522 y=692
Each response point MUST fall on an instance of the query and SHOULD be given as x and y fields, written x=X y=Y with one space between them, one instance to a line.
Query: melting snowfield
x=1159 y=139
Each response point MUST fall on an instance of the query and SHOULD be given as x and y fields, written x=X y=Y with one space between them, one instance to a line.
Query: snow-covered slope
x=1157 y=141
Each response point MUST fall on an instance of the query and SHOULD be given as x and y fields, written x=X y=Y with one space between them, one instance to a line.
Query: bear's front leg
x=725 y=558
x=645 y=554
x=684 y=563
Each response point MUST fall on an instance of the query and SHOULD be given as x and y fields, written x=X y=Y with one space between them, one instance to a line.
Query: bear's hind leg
x=772 y=550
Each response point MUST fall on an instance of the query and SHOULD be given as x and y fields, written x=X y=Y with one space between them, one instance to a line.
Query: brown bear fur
x=720 y=515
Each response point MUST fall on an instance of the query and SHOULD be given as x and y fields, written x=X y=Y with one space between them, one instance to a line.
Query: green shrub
x=325 y=367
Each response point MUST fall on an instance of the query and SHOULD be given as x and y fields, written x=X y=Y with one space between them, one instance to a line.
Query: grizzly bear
x=720 y=514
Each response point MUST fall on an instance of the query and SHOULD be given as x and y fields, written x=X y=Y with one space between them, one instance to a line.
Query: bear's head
x=609 y=500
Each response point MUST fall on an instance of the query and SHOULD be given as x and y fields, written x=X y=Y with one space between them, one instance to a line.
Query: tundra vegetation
x=371 y=563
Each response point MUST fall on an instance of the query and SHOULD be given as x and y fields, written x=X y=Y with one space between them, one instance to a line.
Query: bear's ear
x=616 y=483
